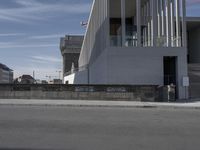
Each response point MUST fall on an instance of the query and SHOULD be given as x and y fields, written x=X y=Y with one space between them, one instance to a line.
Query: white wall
x=96 y=36
x=137 y=66
x=77 y=78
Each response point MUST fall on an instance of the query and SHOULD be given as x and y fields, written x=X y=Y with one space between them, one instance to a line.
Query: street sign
x=186 y=81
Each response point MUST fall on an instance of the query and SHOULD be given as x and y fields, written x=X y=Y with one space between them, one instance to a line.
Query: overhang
x=192 y=22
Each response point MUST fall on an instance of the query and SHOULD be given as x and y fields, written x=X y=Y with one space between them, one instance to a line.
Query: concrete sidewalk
x=80 y=103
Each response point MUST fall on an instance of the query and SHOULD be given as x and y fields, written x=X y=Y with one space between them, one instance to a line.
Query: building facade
x=70 y=47
x=6 y=74
x=136 y=42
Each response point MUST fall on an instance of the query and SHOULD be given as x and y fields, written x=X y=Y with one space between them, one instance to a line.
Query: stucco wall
x=137 y=66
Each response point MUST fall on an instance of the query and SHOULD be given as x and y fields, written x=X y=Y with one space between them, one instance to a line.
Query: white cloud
x=12 y=45
x=47 y=59
x=11 y=34
x=50 y=36
x=28 y=2
x=32 y=10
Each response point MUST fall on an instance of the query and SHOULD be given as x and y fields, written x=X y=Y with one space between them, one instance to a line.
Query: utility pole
x=59 y=74
x=33 y=74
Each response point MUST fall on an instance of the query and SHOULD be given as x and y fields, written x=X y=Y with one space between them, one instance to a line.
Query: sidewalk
x=82 y=103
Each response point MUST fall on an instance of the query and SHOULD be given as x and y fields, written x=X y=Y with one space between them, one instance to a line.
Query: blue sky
x=30 y=31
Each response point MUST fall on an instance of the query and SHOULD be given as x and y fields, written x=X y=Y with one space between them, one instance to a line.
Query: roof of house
x=4 y=67
x=27 y=77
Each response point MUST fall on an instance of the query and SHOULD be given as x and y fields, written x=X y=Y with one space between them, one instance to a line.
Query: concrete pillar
x=154 y=22
x=142 y=22
x=177 y=23
x=138 y=4
x=159 y=17
x=151 y=22
x=168 y=23
x=163 y=17
x=107 y=27
x=145 y=22
x=172 y=23
x=148 y=24
x=123 y=18
x=184 y=32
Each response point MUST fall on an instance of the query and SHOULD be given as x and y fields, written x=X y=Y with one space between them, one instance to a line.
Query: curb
x=117 y=104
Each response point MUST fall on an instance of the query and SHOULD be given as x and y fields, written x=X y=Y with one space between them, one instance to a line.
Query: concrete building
x=6 y=74
x=70 y=47
x=138 y=42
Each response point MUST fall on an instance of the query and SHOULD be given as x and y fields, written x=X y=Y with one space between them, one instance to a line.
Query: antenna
x=84 y=24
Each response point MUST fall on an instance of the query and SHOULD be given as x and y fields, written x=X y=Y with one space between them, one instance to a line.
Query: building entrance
x=170 y=74
x=170 y=70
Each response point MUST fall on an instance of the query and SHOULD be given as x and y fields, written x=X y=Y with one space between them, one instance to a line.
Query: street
x=98 y=128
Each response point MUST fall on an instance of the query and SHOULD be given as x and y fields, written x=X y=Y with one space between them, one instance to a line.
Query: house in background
x=25 y=79
x=138 y=42
x=6 y=74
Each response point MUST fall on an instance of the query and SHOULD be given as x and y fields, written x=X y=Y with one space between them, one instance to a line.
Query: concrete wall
x=80 y=77
x=137 y=66
x=77 y=92
x=194 y=45
x=96 y=36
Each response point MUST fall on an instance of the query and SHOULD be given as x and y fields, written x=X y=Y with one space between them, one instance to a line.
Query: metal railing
x=132 y=41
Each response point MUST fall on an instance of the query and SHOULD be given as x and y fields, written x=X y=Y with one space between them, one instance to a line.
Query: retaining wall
x=79 y=92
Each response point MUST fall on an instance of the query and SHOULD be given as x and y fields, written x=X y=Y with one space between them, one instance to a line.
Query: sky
x=30 y=32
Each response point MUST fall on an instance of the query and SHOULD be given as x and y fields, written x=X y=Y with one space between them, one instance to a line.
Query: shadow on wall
x=81 y=77
x=91 y=56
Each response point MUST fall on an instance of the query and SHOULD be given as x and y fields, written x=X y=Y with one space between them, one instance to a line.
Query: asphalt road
x=84 y=128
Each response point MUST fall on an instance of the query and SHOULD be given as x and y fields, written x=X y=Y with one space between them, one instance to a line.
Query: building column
x=145 y=22
x=184 y=30
x=123 y=18
x=148 y=24
x=154 y=22
x=159 y=17
x=168 y=23
x=151 y=12
x=172 y=23
x=177 y=23
x=142 y=22
x=163 y=17
x=138 y=7
x=107 y=26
